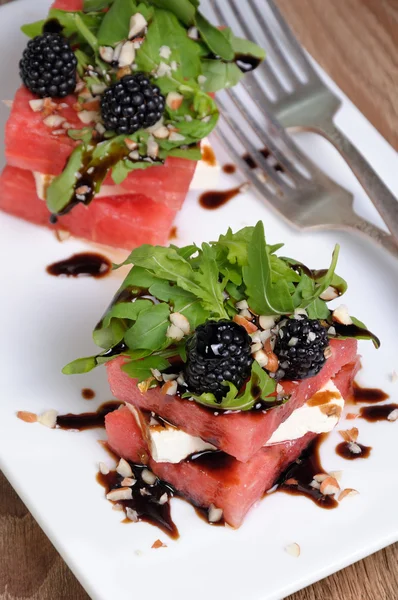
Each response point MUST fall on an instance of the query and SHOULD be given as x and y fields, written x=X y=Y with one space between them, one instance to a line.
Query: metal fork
x=298 y=99
x=287 y=179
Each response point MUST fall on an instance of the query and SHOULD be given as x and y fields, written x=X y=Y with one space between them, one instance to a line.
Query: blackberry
x=132 y=103
x=48 y=66
x=218 y=351
x=300 y=347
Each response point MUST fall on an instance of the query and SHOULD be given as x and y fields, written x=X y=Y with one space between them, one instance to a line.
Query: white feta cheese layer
x=172 y=445
x=310 y=417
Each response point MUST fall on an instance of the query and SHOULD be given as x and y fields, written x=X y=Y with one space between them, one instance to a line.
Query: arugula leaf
x=243 y=46
x=214 y=38
x=318 y=309
x=264 y=296
x=182 y=9
x=62 y=187
x=96 y=5
x=139 y=277
x=82 y=135
x=80 y=366
x=207 y=277
x=141 y=369
x=115 y=24
x=123 y=168
x=149 y=331
x=259 y=388
x=220 y=75
x=33 y=29
x=236 y=244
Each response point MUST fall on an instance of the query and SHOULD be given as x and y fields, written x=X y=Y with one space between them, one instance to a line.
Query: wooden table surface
x=356 y=42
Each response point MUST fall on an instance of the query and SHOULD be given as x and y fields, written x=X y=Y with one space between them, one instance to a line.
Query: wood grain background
x=356 y=42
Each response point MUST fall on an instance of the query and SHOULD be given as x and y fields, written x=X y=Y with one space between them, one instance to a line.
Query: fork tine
x=268 y=140
x=258 y=158
x=277 y=89
x=289 y=71
x=299 y=53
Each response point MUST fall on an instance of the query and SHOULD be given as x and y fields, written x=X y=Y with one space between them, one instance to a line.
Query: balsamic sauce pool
x=85 y=264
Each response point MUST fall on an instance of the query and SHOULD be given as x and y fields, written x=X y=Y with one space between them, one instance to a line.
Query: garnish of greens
x=205 y=283
x=180 y=51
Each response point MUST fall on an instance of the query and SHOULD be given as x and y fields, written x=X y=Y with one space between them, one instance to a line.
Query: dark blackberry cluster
x=218 y=351
x=48 y=66
x=132 y=103
x=300 y=347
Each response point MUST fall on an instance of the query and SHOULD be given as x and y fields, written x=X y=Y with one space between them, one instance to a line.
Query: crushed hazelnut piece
x=158 y=544
x=293 y=550
x=28 y=417
x=349 y=435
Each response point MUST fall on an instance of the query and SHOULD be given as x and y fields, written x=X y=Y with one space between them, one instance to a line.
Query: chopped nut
x=138 y=24
x=174 y=333
x=98 y=88
x=36 y=105
x=127 y=55
x=266 y=322
x=261 y=357
x=145 y=492
x=202 y=79
x=48 y=419
x=298 y=312
x=163 y=70
x=180 y=321
x=152 y=148
x=215 y=514
x=169 y=388
x=176 y=137
x=104 y=469
x=157 y=374
x=88 y=116
x=123 y=493
x=293 y=550
x=118 y=507
x=158 y=544
x=347 y=492
x=315 y=484
x=329 y=294
x=193 y=33
x=393 y=416
x=135 y=155
x=169 y=376
x=28 y=417
x=329 y=486
x=341 y=315
x=165 y=52
x=106 y=53
x=144 y=386
x=161 y=133
x=337 y=475
x=349 y=435
x=131 y=144
x=320 y=477
x=246 y=314
x=242 y=305
x=250 y=327
x=128 y=482
x=163 y=499
x=291 y=481
x=148 y=477
x=123 y=71
x=53 y=121
x=351 y=416
x=255 y=347
x=100 y=128
x=174 y=100
x=124 y=468
x=354 y=448
x=131 y=514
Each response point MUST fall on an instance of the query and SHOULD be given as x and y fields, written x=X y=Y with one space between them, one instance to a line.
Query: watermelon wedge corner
x=104 y=138
x=229 y=484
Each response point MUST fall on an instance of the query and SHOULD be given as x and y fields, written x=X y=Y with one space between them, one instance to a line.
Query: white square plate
x=46 y=322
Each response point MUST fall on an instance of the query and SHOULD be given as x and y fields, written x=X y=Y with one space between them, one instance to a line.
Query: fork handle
x=379 y=236
x=385 y=202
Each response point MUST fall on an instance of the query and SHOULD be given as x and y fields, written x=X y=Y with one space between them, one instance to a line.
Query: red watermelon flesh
x=121 y=221
x=227 y=483
x=31 y=145
x=68 y=4
x=241 y=434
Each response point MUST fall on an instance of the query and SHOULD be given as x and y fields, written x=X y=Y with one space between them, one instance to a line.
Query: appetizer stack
x=115 y=101
x=229 y=363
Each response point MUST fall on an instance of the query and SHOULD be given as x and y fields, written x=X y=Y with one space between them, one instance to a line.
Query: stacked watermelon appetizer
x=229 y=363
x=104 y=135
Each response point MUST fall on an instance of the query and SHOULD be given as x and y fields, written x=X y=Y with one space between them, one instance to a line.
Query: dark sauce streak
x=355 y=331
x=147 y=506
x=229 y=169
x=92 y=174
x=90 y=420
x=214 y=199
x=246 y=62
x=88 y=394
x=377 y=413
x=87 y=264
x=303 y=471
x=343 y=450
x=361 y=395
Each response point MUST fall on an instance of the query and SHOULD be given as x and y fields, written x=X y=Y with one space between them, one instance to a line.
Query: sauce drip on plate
x=345 y=450
x=85 y=264
x=378 y=413
x=216 y=198
x=89 y=420
x=88 y=394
